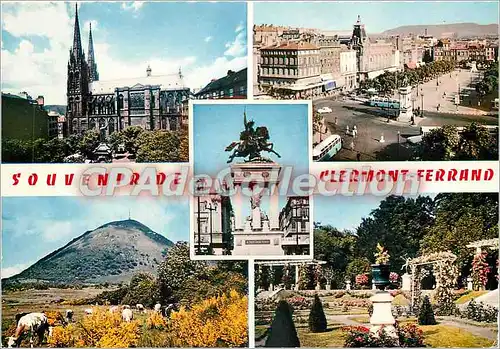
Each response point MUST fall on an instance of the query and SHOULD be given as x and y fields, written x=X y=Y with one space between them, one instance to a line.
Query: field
x=216 y=321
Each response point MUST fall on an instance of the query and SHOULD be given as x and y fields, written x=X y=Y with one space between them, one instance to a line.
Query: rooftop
x=231 y=79
x=166 y=82
x=292 y=45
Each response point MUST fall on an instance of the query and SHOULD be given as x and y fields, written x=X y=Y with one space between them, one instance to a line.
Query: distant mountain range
x=438 y=30
x=111 y=253
x=60 y=109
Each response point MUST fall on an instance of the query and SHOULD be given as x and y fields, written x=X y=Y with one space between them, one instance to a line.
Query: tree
x=398 y=224
x=130 y=136
x=426 y=314
x=176 y=269
x=143 y=289
x=89 y=142
x=333 y=246
x=184 y=146
x=439 y=144
x=461 y=218
x=317 y=318
x=159 y=146
x=282 y=333
x=476 y=143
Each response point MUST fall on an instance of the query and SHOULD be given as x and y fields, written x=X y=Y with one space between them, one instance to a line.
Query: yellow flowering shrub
x=101 y=329
x=65 y=337
x=156 y=321
x=215 y=322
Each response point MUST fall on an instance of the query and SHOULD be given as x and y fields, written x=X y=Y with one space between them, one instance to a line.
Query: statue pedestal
x=260 y=236
x=382 y=318
x=405 y=104
x=406 y=285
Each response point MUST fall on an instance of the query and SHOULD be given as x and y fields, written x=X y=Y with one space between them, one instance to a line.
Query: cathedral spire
x=77 y=41
x=93 y=73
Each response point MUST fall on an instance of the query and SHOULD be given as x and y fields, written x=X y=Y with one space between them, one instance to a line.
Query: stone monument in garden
x=382 y=318
x=258 y=234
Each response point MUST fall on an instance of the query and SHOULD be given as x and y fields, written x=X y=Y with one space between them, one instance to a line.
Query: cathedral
x=153 y=102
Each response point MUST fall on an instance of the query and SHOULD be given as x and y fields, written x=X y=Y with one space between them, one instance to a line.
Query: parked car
x=324 y=110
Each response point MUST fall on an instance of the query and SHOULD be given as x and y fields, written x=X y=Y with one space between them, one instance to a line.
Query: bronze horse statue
x=252 y=142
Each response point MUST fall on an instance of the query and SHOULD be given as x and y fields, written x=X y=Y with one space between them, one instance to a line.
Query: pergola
x=478 y=245
x=296 y=263
x=445 y=273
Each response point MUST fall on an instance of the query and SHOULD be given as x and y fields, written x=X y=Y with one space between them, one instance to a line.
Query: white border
x=250 y=62
x=192 y=254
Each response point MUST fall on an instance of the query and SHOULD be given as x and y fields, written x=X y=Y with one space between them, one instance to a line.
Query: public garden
x=416 y=272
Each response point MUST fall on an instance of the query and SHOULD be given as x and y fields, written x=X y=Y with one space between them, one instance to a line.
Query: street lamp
x=210 y=206
x=199 y=187
x=422 y=112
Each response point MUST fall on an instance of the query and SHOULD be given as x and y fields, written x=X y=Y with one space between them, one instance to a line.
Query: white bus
x=327 y=149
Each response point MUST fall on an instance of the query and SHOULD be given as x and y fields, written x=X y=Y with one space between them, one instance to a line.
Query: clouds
x=41 y=34
x=15 y=269
x=239 y=45
x=132 y=6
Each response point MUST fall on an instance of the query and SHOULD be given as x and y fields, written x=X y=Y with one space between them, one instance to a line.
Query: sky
x=377 y=16
x=346 y=212
x=204 y=39
x=33 y=227
x=287 y=126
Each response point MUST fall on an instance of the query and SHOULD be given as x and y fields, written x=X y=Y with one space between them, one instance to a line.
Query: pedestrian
x=352 y=145
x=354 y=131
x=335 y=121
x=358 y=156
x=347 y=130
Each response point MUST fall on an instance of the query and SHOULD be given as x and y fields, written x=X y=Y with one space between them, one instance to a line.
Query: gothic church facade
x=151 y=102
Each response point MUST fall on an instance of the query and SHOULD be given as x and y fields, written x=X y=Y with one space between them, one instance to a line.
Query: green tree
x=143 y=289
x=461 y=218
x=159 y=146
x=439 y=144
x=398 y=224
x=176 y=269
x=282 y=333
x=130 y=136
x=334 y=247
x=317 y=318
x=359 y=265
x=426 y=314
x=115 y=139
x=184 y=146
x=476 y=143
x=89 y=143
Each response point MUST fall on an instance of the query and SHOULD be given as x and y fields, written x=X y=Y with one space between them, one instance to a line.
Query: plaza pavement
x=372 y=124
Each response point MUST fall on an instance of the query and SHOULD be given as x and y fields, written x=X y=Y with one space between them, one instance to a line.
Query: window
x=137 y=100
x=231 y=92
x=243 y=90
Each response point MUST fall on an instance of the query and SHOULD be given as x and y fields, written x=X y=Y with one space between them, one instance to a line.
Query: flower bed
x=409 y=335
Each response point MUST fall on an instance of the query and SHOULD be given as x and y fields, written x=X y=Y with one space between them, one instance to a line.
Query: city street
x=372 y=125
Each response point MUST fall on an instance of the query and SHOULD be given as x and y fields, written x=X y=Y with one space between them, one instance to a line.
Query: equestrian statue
x=252 y=142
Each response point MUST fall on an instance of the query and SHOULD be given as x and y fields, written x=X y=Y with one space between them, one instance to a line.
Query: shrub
x=298 y=303
x=282 y=332
x=156 y=321
x=100 y=329
x=480 y=312
x=317 y=318
x=410 y=335
x=426 y=314
x=359 y=336
x=361 y=279
x=215 y=322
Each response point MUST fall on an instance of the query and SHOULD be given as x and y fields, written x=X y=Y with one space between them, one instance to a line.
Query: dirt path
x=485 y=332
